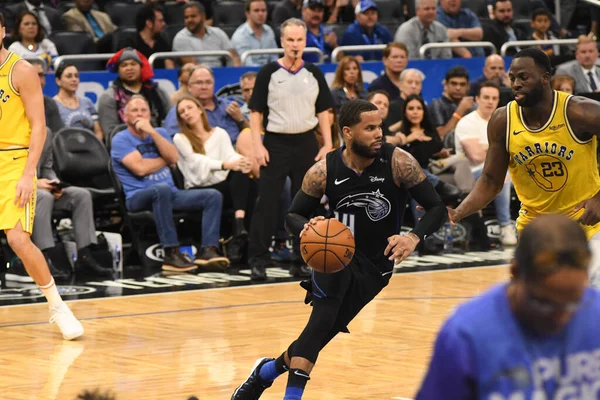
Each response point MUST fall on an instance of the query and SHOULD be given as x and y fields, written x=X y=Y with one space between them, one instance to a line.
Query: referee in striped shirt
x=289 y=100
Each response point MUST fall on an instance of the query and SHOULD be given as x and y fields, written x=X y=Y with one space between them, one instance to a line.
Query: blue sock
x=296 y=383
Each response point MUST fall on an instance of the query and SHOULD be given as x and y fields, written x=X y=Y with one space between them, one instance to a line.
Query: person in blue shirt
x=536 y=337
x=463 y=26
x=141 y=156
x=366 y=30
x=317 y=35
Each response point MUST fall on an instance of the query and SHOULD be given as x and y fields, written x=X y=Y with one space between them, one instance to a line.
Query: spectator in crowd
x=563 y=83
x=471 y=140
x=135 y=77
x=290 y=99
x=53 y=120
x=48 y=17
x=423 y=29
x=82 y=18
x=150 y=24
x=366 y=30
x=220 y=112
x=411 y=82
x=74 y=111
x=502 y=29
x=584 y=69
x=75 y=200
x=463 y=25
x=207 y=159
x=198 y=36
x=339 y=11
x=493 y=70
x=183 y=76
x=141 y=156
x=247 y=82
x=255 y=34
x=382 y=100
x=285 y=10
x=395 y=59
x=30 y=41
x=317 y=34
x=447 y=110
x=540 y=23
x=348 y=83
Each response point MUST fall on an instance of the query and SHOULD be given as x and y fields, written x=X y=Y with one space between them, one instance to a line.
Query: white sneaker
x=69 y=326
x=508 y=237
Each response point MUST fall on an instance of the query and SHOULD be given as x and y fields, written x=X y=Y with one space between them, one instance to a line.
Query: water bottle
x=448 y=240
x=73 y=258
x=116 y=258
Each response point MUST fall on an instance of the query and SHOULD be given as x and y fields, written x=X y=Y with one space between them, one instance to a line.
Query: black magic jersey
x=370 y=204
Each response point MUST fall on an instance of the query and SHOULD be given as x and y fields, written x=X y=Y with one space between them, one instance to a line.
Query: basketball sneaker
x=69 y=326
x=254 y=386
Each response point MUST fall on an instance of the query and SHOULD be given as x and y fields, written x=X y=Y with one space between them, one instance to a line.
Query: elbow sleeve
x=302 y=208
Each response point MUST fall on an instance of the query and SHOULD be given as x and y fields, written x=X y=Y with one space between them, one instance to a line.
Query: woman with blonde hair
x=348 y=83
x=208 y=160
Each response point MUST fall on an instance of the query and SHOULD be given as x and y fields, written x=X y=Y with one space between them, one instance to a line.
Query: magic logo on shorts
x=545 y=164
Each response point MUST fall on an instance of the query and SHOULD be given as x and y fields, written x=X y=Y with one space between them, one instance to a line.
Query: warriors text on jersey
x=15 y=128
x=370 y=204
x=552 y=170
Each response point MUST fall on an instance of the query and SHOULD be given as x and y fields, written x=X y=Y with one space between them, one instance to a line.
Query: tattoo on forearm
x=315 y=180
x=406 y=169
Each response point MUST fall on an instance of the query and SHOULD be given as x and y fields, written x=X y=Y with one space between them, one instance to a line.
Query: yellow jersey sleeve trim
x=508 y=107
x=571 y=132
x=15 y=91
x=548 y=122
x=8 y=57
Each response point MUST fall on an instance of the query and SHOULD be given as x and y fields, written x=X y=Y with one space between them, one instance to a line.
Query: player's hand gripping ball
x=326 y=245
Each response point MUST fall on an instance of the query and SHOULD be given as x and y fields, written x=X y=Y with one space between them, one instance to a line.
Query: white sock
x=51 y=293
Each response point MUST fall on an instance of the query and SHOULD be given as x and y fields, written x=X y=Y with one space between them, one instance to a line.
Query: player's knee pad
x=322 y=321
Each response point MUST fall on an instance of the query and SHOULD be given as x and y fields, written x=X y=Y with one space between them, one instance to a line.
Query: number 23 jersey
x=552 y=170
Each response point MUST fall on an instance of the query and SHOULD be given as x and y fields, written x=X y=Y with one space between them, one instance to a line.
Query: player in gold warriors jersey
x=22 y=136
x=547 y=140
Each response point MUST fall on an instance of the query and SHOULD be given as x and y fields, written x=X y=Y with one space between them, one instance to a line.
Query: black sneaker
x=235 y=248
x=210 y=257
x=16 y=272
x=254 y=386
x=300 y=271
x=58 y=273
x=258 y=270
x=177 y=261
x=88 y=265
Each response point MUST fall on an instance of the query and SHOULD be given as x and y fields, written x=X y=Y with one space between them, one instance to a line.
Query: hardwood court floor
x=170 y=346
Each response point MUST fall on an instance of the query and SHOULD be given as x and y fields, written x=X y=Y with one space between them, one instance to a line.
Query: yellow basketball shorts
x=12 y=165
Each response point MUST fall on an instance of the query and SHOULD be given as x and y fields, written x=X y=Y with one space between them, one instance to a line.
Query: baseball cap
x=364 y=5
x=313 y=3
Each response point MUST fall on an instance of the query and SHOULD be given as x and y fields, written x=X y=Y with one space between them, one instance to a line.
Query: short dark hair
x=40 y=35
x=375 y=92
x=549 y=243
x=540 y=58
x=350 y=113
x=195 y=4
x=1 y=19
x=62 y=67
x=146 y=13
x=488 y=84
x=38 y=61
x=249 y=3
x=499 y=1
x=457 y=72
x=539 y=11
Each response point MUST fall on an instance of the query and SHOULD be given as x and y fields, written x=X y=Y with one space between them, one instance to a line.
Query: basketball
x=327 y=246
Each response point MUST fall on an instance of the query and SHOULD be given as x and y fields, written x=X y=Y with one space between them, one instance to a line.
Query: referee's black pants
x=289 y=155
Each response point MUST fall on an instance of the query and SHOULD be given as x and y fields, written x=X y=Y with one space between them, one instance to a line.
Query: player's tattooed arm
x=406 y=169
x=315 y=180
x=584 y=117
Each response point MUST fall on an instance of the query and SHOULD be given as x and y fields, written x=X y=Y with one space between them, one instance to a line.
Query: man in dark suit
x=584 y=69
x=501 y=29
x=48 y=16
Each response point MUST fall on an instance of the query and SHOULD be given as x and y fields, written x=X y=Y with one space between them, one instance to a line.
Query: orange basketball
x=328 y=246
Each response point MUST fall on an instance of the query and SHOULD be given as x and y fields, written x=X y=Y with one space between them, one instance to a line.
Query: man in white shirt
x=470 y=137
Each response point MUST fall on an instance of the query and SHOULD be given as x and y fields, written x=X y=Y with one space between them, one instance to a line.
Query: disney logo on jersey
x=376 y=179
x=375 y=204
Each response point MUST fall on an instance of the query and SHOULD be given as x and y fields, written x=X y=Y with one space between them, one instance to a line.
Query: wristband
x=457 y=116
x=411 y=238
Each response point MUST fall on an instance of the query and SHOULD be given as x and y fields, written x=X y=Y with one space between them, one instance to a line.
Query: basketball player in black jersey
x=367 y=183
